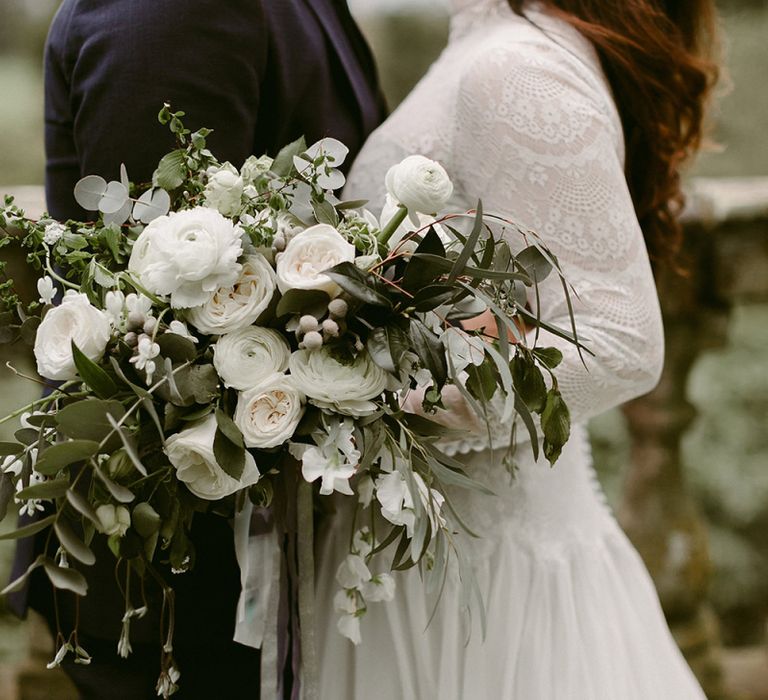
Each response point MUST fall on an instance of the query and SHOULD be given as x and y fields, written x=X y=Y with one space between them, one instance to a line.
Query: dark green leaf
x=72 y=543
x=171 y=171
x=481 y=380
x=529 y=383
x=68 y=579
x=27 y=530
x=10 y=448
x=229 y=456
x=556 y=425
x=145 y=520
x=387 y=345
x=27 y=436
x=433 y=295
x=352 y=204
x=302 y=301
x=358 y=284
x=430 y=351
x=63 y=454
x=45 y=489
x=94 y=376
x=551 y=357
x=420 y=273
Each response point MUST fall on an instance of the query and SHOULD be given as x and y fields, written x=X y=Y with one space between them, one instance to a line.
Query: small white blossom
x=380 y=589
x=166 y=684
x=349 y=626
x=114 y=520
x=114 y=307
x=61 y=654
x=147 y=351
x=352 y=572
x=138 y=303
x=46 y=290
x=53 y=233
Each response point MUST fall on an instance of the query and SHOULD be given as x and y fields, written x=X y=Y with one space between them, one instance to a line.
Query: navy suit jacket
x=261 y=73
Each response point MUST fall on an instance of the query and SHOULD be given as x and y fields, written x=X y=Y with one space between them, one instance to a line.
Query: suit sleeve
x=110 y=66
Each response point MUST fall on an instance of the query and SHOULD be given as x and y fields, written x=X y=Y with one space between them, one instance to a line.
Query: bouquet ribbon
x=263 y=613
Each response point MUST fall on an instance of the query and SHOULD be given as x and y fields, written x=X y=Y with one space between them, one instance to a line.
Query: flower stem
x=394 y=223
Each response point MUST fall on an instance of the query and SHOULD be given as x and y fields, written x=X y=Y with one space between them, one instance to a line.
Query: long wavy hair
x=660 y=59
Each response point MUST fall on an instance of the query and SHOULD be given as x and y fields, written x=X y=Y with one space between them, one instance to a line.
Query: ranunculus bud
x=313 y=340
x=307 y=323
x=338 y=308
x=278 y=243
x=330 y=327
x=114 y=520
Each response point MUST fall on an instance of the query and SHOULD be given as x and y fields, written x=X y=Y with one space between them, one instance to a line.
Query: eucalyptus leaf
x=128 y=445
x=146 y=520
x=551 y=357
x=114 y=198
x=63 y=454
x=119 y=493
x=419 y=272
x=73 y=544
x=27 y=530
x=151 y=205
x=469 y=246
x=556 y=425
x=20 y=582
x=28 y=330
x=10 y=448
x=82 y=506
x=283 y=163
x=325 y=213
x=177 y=347
x=87 y=419
x=66 y=578
x=529 y=383
x=89 y=191
x=119 y=217
x=536 y=265
x=430 y=351
x=54 y=488
x=229 y=456
x=387 y=345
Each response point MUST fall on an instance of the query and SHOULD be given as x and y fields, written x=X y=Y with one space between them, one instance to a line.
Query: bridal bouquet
x=223 y=336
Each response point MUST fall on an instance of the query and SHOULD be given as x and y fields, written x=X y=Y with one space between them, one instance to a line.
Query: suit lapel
x=365 y=96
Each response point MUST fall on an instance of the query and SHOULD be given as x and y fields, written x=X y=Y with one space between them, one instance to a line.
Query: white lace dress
x=521 y=115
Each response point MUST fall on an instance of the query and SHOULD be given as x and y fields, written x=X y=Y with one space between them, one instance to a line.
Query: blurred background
x=687 y=467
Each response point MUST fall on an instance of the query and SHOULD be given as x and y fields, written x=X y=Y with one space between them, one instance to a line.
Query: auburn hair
x=659 y=57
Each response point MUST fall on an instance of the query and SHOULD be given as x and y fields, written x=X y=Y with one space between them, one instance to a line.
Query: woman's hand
x=486 y=323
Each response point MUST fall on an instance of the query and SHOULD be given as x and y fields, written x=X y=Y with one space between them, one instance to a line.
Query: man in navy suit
x=261 y=73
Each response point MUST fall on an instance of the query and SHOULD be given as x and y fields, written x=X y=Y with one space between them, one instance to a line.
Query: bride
x=572 y=118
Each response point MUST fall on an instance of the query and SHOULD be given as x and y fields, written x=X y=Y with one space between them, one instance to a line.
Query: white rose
x=224 y=190
x=308 y=254
x=191 y=452
x=76 y=319
x=330 y=384
x=420 y=184
x=247 y=357
x=114 y=520
x=269 y=413
x=239 y=305
x=187 y=255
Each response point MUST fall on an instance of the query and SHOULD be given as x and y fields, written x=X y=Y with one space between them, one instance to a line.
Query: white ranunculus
x=76 y=319
x=308 y=254
x=247 y=357
x=420 y=184
x=187 y=255
x=191 y=452
x=269 y=413
x=344 y=388
x=224 y=190
x=239 y=305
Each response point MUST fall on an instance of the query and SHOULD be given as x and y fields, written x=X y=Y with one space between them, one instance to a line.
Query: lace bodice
x=520 y=114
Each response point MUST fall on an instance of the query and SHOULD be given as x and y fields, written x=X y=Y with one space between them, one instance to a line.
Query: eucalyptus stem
x=394 y=223
x=34 y=404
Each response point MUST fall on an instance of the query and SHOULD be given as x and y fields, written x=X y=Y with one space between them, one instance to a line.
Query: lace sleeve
x=538 y=139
